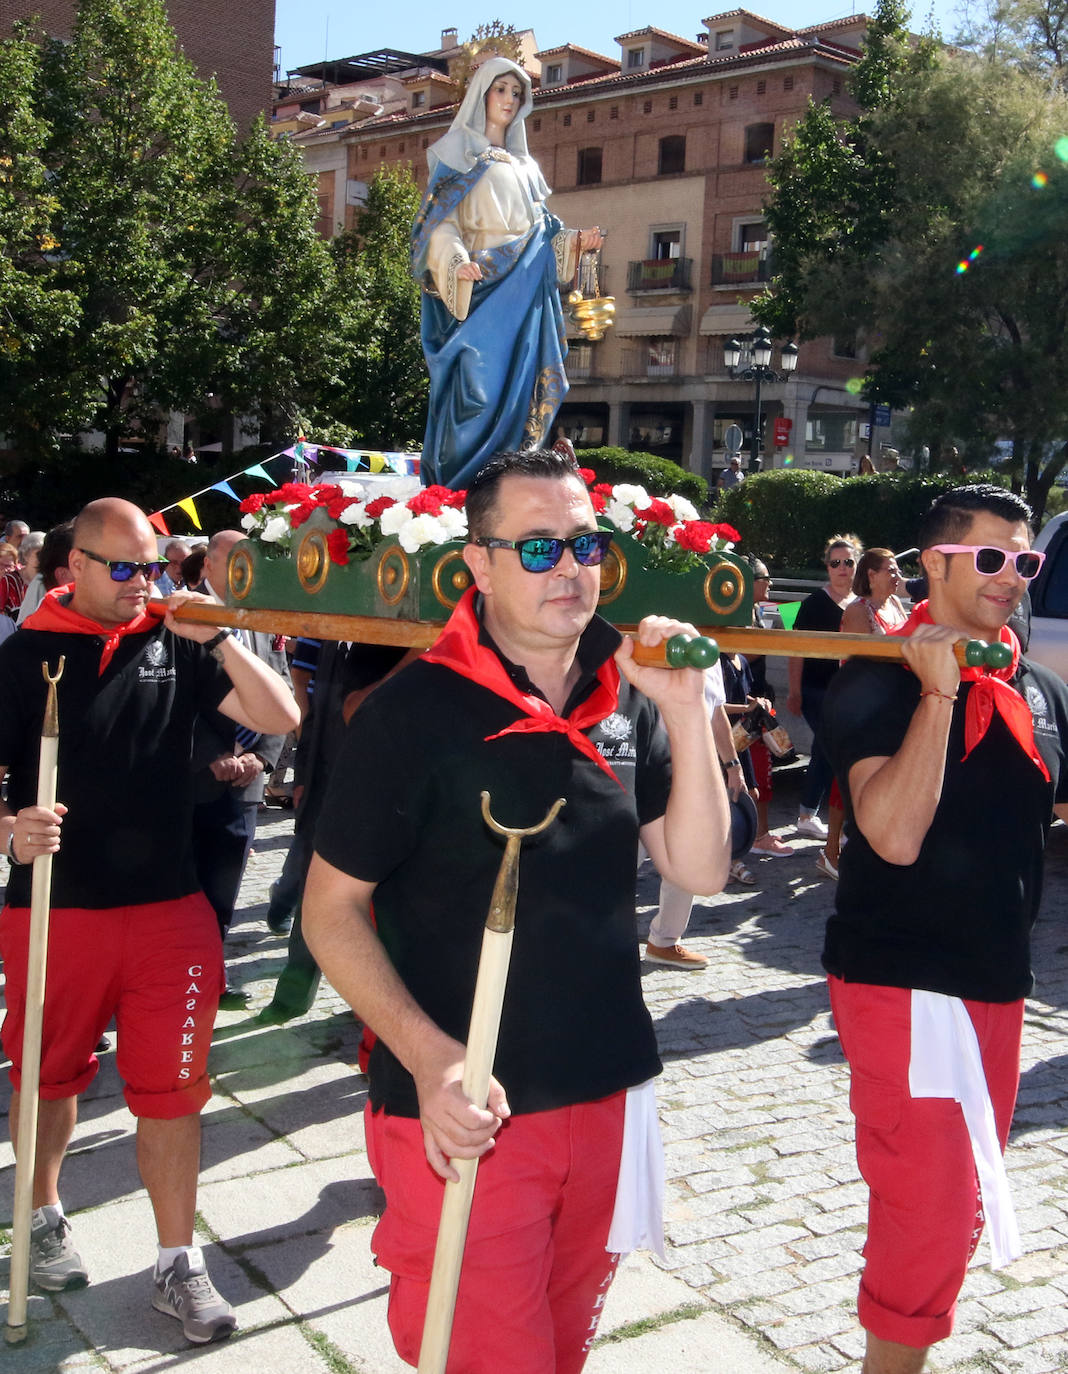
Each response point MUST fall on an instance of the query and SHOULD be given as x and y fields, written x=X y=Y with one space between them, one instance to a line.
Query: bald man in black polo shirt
x=131 y=934
x=528 y=695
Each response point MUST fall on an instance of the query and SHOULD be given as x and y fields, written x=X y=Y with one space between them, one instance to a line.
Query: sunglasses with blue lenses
x=121 y=569
x=540 y=553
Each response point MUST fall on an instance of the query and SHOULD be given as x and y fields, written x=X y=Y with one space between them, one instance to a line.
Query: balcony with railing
x=656 y=358
x=739 y=269
x=660 y=274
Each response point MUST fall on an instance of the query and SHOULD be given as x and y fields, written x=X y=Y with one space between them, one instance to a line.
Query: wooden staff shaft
x=420 y=634
x=29 y=1083
x=741 y=639
x=478 y=1067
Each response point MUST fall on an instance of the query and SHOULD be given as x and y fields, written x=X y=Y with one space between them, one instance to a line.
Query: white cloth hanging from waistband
x=638 y=1218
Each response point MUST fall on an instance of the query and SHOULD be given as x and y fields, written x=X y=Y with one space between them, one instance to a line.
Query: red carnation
x=381 y=503
x=727 y=532
x=251 y=504
x=326 y=492
x=604 y=489
x=588 y=476
x=340 y=503
x=600 y=505
x=290 y=492
x=426 y=502
x=695 y=535
x=657 y=512
x=297 y=517
x=337 y=546
x=455 y=499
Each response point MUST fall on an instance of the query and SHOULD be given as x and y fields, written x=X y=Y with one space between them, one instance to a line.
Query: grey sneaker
x=185 y=1291
x=54 y=1263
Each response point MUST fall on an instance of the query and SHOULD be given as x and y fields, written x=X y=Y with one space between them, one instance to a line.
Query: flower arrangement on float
x=672 y=534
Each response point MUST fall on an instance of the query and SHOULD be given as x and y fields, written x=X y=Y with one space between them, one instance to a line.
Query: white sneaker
x=811 y=825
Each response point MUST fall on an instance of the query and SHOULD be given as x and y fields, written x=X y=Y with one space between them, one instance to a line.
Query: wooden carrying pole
x=478 y=1066
x=29 y=1084
x=420 y=634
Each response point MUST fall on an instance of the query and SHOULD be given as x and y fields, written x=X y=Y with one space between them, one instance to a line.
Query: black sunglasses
x=122 y=569
x=540 y=554
x=837 y=562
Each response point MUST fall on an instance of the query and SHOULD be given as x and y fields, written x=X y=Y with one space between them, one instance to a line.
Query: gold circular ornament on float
x=724 y=588
x=613 y=574
x=240 y=574
x=450 y=579
x=393 y=575
x=313 y=562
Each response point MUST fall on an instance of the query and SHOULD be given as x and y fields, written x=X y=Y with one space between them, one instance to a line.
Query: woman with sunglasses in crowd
x=877 y=610
x=809 y=677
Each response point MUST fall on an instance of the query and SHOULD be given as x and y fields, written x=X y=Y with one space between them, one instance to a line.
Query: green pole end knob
x=998 y=655
x=677 y=651
x=703 y=653
x=975 y=653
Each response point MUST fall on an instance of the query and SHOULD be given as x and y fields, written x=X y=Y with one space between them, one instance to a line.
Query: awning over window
x=674 y=321
x=727 y=320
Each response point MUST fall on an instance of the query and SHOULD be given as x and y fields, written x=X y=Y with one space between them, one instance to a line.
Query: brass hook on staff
x=502 y=904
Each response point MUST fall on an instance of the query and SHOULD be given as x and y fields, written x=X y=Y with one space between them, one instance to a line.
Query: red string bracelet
x=935 y=693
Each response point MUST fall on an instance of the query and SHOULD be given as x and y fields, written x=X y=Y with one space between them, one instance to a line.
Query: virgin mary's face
x=503 y=100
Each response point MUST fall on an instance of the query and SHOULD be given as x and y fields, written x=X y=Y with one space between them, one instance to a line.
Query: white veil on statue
x=466 y=139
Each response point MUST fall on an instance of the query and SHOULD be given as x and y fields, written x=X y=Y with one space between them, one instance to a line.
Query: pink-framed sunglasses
x=989 y=561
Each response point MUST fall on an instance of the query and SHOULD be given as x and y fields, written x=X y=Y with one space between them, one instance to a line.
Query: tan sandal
x=741 y=874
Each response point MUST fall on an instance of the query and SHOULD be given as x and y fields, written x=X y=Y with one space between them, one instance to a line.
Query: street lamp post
x=758 y=371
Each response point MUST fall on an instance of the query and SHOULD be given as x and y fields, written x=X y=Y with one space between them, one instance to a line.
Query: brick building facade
x=663 y=146
x=232 y=42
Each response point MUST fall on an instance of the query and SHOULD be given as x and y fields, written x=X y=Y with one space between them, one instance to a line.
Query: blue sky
x=308 y=30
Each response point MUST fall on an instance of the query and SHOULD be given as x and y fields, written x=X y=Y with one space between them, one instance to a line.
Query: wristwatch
x=214 y=644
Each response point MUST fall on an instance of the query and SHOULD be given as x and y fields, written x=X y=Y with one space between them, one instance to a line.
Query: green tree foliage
x=659 y=476
x=161 y=259
x=1030 y=34
x=380 y=386
x=932 y=226
x=787 y=516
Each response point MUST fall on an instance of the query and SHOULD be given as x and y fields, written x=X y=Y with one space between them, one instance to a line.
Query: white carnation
x=356 y=515
x=420 y=530
x=684 y=510
x=455 y=521
x=631 y=495
x=249 y=521
x=394 y=517
x=622 y=516
x=275 y=529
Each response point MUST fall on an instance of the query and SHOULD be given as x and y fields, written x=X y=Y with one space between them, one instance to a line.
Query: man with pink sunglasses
x=950 y=778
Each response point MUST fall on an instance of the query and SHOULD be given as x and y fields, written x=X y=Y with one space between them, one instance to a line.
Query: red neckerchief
x=52 y=615
x=458 y=648
x=990 y=693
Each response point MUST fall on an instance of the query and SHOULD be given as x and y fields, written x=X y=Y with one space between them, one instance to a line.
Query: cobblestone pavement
x=765 y=1210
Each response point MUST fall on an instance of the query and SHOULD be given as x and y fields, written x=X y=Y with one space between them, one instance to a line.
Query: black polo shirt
x=124 y=748
x=403 y=812
x=958 y=920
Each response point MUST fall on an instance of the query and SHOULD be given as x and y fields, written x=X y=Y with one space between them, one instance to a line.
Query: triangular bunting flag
x=190 y=510
x=351 y=463
x=157 y=521
x=258 y=470
x=788 y=611
x=227 y=490
x=376 y=461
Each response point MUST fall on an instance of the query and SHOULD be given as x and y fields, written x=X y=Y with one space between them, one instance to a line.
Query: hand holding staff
x=478 y=1065
x=26 y=1152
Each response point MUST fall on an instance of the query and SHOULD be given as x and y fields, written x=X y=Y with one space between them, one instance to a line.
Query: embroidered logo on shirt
x=156 y=667
x=155 y=653
x=614 y=744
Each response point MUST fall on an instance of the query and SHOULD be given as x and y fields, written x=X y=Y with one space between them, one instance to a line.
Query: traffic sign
x=732 y=439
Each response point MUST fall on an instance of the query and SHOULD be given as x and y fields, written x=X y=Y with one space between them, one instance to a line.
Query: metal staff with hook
x=478 y=1066
x=29 y=1086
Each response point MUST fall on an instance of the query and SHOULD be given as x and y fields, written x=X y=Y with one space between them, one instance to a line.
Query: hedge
x=659 y=476
x=786 y=516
